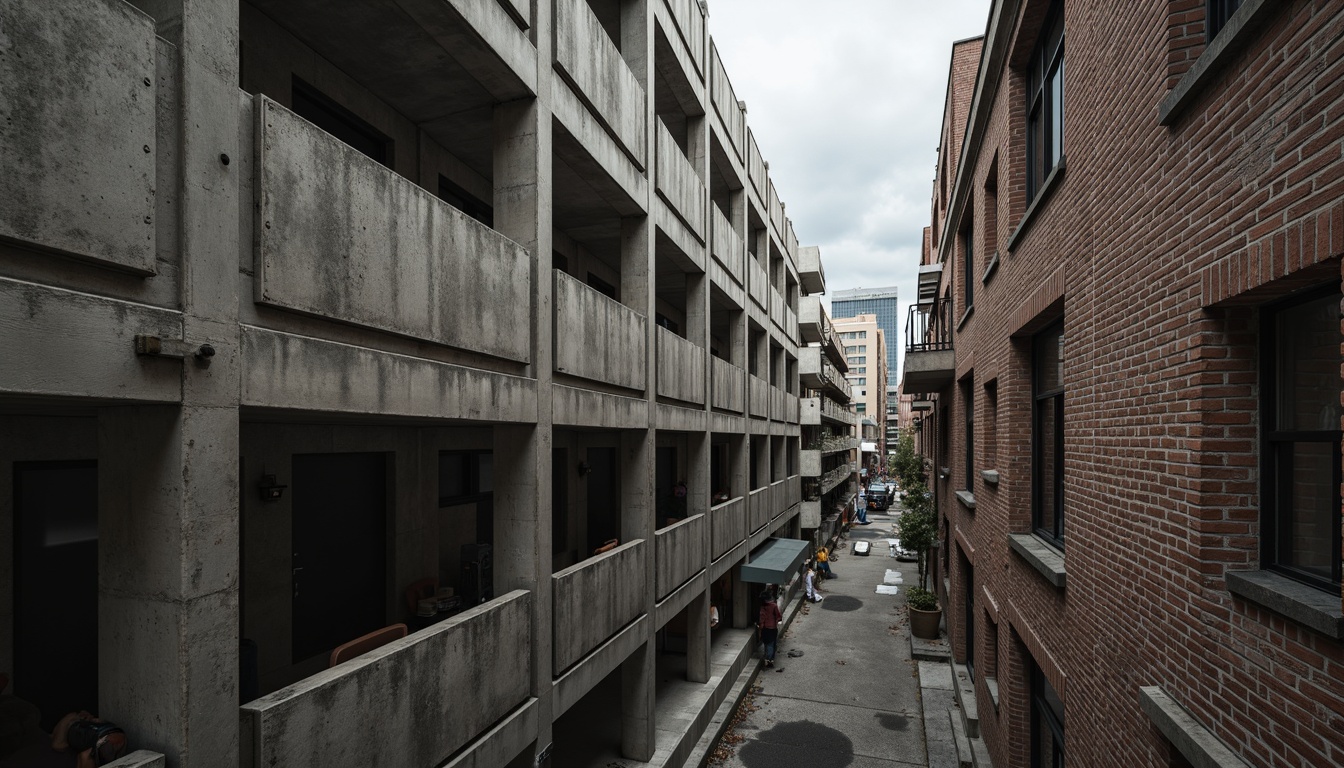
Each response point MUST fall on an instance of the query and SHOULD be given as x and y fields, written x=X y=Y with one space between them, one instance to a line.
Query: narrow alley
x=844 y=690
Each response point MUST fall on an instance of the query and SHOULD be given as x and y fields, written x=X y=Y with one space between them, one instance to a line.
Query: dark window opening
x=320 y=110
x=1301 y=452
x=666 y=322
x=1047 y=723
x=601 y=286
x=970 y=435
x=1045 y=106
x=466 y=202
x=1216 y=15
x=1048 y=435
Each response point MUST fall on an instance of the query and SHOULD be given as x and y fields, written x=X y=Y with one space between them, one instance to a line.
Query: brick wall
x=1157 y=247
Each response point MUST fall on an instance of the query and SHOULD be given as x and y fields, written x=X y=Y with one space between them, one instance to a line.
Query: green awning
x=775 y=561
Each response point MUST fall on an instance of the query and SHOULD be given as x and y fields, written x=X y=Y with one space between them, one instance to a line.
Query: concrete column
x=168 y=579
x=737 y=340
x=742 y=617
x=697 y=639
x=521 y=136
x=637 y=269
x=638 y=679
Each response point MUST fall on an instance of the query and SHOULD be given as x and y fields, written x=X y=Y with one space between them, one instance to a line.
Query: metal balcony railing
x=929 y=327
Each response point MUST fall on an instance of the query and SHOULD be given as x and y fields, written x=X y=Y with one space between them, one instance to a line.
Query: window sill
x=965 y=316
x=1216 y=56
x=1042 y=194
x=1041 y=556
x=992 y=685
x=990 y=476
x=967 y=499
x=1189 y=736
x=990 y=268
x=1305 y=605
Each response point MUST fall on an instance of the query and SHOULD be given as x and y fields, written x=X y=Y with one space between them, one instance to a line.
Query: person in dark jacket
x=768 y=624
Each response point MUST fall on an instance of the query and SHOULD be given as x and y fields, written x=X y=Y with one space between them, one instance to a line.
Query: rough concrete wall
x=758 y=283
x=594 y=599
x=678 y=183
x=759 y=502
x=430 y=689
x=341 y=236
x=597 y=338
x=284 y=370
x=728 y=244
x=593 y=65
x=728 y=524
x=756 y=168
x=689 y=17
x=681 y=368
x=729 y=386
x=77 y=130
x=680 y=554
x=725 y=102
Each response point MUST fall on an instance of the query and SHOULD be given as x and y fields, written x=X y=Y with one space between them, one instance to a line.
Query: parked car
x=878 y=498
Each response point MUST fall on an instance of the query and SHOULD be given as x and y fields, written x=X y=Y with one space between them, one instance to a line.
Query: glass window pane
x=1049 y=355
x=1057 y=115
x=1046 y=435
x=1309 y=364
x=1308 y=540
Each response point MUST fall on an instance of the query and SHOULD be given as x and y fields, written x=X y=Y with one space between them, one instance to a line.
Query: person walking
x=861 y=509
x=768 y=625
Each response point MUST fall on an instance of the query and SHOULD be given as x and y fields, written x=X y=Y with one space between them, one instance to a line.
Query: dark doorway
x=604 y=508
x=320 y=110
x=340 y=556
x=56 y=586
x=559 y=500
x=969 y=570
x=665 y=477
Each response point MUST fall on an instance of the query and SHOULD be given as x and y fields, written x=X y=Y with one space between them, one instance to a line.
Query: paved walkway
x=853 y=697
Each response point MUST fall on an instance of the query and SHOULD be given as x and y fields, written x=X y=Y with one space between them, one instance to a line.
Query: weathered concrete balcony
x=725 y=102
x=836 y=476
x=809 y=463
x=580 y=621
x=678 y=183
x=809 y=514
x=689 y=18
x=776 y=308
x=790 y=326
x=603 y=340
x=413 y=686
x=813 y=409
x=340 y=236
x=759 y=402
x=930 y=362
x=587 y=58
x=80 y=138
x=728 y=525
x=681 y=368
x=930 y=276
x=758 y=283
x=814 y=325
x=679 y=553
x=780 y=499
x=757 y=169
x=816 y=372
x=778 y=412
x=759 y=503
x=729 y=392
x=729 y=247
x=811 y=275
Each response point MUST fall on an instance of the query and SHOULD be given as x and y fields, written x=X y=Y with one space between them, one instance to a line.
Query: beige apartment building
x=865 y=348
x=476 y=318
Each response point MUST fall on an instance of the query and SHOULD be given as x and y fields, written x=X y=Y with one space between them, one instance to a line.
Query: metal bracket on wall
x=153 y=346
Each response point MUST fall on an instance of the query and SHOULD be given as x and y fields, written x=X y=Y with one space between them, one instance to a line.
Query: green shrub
x=921 y=599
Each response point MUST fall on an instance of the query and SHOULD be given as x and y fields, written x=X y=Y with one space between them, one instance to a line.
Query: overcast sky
x=845 y=99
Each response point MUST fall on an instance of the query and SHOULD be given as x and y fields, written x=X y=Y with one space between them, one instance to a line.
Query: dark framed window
x=323 y=111
x=1045 y=101
x=1300 y=499
x=968 y=264
x=1047 y=723
x=1216 y=14
x=1047 y=466
x=969 y=599
x=970 y=435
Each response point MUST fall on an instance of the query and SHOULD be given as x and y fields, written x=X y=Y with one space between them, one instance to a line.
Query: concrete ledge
x=501 y=743
x=930 y=650
x=964 y=687
x=141 y=758
x=967 y=499
x=1219 y=52
x=1188 y=735
x=1303 y=604
x=992 y=685
x=589 y=671
x=575 y=407
x=1041 y=556
x=990 y=476
x=990 y=268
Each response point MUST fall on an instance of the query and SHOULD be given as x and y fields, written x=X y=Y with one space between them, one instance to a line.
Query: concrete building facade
x=1126 y=357
x=475 y=316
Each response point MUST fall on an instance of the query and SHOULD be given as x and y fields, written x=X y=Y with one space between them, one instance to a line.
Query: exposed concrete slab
x=575 y=407
x=596 y=598
x=602 y=339
x=282 y=370
x=591 y=63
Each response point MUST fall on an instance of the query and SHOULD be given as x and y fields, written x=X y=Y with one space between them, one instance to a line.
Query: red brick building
x=1129 y=345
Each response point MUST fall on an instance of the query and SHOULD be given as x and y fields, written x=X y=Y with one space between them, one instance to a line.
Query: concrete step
x=965 y=758
x=965 y=690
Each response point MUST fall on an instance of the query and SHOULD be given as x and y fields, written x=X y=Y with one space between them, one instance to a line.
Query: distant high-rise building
x=872 y=301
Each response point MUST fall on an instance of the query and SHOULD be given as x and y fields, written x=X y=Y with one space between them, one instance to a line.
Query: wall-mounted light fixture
x=584 y=468
x=270 y=489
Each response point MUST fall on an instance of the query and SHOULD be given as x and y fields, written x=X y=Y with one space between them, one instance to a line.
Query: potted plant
x=925 y=614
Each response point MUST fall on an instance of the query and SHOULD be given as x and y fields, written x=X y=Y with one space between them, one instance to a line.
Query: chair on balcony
x=607 y=546
x=420 y=590
x=362 y=645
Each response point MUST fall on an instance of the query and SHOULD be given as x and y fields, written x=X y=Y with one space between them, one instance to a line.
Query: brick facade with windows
x=1198 y=196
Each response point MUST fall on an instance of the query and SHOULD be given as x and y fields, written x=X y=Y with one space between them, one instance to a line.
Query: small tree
x=918 y=525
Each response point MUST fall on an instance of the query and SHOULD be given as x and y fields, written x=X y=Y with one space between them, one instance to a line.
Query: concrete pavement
x=853 y=698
